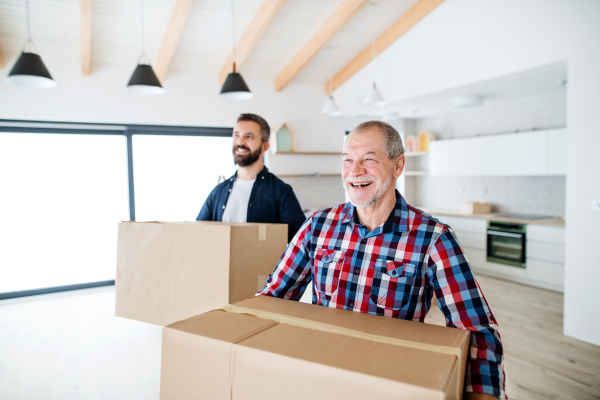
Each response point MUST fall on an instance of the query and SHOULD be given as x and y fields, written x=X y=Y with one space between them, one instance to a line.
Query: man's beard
x=245 y=160
x=377 y=195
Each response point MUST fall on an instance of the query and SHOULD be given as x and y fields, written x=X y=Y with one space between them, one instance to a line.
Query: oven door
x=506 y=247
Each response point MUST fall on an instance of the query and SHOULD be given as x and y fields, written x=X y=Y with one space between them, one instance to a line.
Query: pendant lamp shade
x=374 y=97
x=330 y=108
x=144 y=81
x=30 y=71
x=235 y=88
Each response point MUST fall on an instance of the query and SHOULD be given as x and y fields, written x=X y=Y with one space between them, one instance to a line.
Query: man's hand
x=481 y=396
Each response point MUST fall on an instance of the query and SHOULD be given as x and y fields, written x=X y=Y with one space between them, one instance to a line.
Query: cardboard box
x=293 y=350
x=475 y=208
x=170 y=271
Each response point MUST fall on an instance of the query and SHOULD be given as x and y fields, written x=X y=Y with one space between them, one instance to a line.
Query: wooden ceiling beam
x=268 y=10
x=326 y=32
x=412 y=17
x=86 y=36
x=167 y=50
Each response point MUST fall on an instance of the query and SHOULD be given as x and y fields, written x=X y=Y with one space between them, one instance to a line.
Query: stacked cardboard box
x=266 y=348
x=167 y=272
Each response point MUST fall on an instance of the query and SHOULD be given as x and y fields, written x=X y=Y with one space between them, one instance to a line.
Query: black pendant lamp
x=144 y=80
x=234 y=87
x=29 y=69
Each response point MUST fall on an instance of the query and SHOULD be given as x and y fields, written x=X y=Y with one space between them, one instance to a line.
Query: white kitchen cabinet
x=441 y=157
x=533 y=153
x=546 y=234
x=521 y=154
x=546 y=256
x=472 y=240
x=476 y=258
x=557 y=153
x=464 y=224
x=546 y=274
x=473 y=157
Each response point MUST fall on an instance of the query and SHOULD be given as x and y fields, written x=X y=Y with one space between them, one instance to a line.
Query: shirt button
x=357 y=271
x=351 y=304
x=229 y=190
x=249 y=205
x=263 y=177
x=223 y=207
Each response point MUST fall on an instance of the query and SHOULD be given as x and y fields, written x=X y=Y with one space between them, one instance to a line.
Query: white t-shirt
x=236 y=209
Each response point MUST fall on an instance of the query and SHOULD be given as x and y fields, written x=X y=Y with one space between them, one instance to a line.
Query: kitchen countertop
x=494 y=217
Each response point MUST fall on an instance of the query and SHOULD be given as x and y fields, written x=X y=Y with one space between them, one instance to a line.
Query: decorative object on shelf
x=423 y=140
x=330 y=108
x=29 y=69
x=144 y=80
x=235 y=87
x=473 y=207
x=467 y=101
x=410 y=144
x=284 y=140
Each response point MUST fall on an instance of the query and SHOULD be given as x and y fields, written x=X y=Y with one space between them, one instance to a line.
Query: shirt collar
x=398 y=220
x=263 y=173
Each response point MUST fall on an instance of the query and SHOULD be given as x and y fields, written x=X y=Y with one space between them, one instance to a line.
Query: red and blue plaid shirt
x=393 y=271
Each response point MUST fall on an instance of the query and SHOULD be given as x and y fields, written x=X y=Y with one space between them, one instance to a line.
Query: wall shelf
x=306 y=153
x=310 y=176
x=416 y=153
x=415 y=173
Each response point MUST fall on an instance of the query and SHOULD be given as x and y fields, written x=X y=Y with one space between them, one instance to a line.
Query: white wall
x=465 y=41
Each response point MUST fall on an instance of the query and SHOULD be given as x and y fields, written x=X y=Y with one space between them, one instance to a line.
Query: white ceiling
x=536 y=82
x=206 y=41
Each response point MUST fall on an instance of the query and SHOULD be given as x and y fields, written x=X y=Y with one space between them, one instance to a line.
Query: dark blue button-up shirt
x=271 y=201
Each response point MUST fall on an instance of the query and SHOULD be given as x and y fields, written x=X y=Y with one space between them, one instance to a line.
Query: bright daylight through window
x=173 y=175
x=61 y=198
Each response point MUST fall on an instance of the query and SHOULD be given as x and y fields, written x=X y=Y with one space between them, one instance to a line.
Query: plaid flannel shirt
x=393 y=271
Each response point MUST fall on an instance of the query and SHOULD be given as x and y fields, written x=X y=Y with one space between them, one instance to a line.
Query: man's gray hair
x=393 y=141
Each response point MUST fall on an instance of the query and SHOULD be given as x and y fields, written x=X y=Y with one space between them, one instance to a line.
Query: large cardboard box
x=168 y=271
x=267 y=348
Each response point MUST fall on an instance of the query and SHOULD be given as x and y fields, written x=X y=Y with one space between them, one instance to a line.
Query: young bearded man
x=378 y=255
x=253 y=194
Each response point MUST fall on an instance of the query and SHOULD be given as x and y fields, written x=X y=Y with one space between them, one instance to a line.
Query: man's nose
x=357 y=169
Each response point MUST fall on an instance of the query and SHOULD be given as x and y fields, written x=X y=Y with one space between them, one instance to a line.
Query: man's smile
x=360 y=184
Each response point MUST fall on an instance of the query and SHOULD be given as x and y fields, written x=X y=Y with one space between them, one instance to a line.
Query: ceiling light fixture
x=330 y=108
x=235 y=87
x=29 y=69
x=144 y=80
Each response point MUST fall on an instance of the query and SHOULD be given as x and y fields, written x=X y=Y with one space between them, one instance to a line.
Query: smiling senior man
x=378 y=255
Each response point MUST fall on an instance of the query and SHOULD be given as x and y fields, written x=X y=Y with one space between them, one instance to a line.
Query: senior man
x=378 y=255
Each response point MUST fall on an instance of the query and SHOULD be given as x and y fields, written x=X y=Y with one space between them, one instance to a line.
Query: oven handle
x=516 y=235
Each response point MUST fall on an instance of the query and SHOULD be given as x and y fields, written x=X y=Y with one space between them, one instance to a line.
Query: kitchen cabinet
x=471 y=234
x=516 y=154
x=545 y=249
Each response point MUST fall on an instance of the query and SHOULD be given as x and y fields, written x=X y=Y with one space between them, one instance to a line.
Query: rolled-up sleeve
x=464 y=306
x=293 y=271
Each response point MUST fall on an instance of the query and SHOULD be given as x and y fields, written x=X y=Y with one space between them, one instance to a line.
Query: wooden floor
x=71 y=346
x=541 y=363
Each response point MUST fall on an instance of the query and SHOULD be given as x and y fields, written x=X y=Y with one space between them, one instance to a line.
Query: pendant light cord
x=28 y=24
x=233 y=30
x=143 y=30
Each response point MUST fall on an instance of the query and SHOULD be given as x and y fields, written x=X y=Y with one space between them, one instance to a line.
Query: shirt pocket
x=392 y=284
x=328 y=265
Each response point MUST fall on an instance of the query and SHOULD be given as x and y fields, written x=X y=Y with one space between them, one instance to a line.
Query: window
x=61 y=197
x=174 y=175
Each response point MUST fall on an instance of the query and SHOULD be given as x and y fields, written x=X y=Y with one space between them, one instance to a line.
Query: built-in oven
x=506 y=243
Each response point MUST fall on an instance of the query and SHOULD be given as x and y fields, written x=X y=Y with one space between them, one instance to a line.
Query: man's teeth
x=360 y=184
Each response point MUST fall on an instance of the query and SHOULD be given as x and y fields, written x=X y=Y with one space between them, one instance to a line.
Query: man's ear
x=399 y=165
x=265 y=147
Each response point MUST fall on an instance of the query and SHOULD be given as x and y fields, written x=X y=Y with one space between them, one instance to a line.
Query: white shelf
x=415 y=173
x=416 y=153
